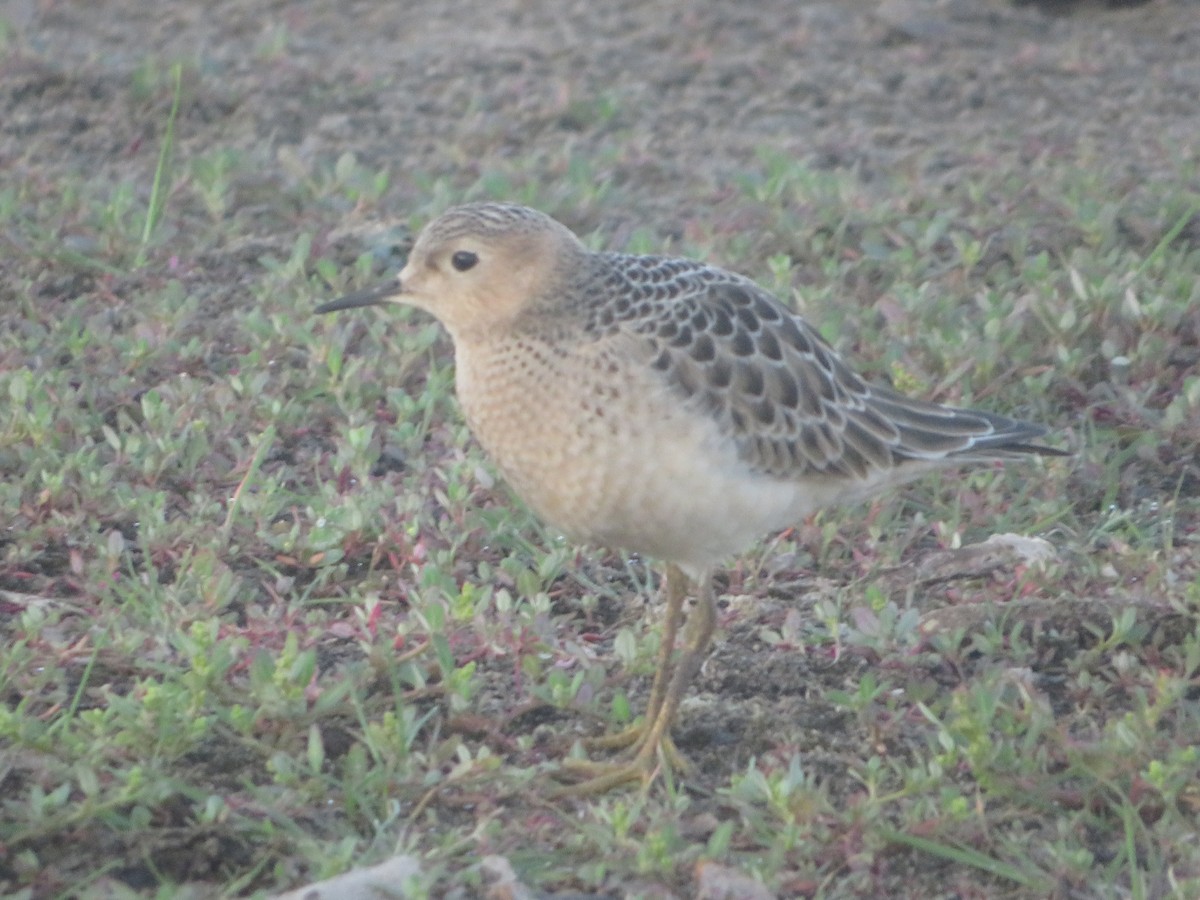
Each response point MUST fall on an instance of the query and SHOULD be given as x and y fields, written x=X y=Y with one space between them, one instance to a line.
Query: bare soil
x=679 y=99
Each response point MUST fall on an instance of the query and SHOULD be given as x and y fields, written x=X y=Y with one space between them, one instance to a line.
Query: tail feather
x=931 y=432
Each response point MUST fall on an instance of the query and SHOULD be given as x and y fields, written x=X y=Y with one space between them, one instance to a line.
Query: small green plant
x=161 y=186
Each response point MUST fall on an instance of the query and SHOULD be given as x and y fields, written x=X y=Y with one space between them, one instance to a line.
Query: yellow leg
x=650 y=745
x=676 y=590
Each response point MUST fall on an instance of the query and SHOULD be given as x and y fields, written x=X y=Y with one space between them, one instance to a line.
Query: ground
x=268 y=614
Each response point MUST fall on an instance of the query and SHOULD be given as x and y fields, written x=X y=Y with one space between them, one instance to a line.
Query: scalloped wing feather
x=783 y=395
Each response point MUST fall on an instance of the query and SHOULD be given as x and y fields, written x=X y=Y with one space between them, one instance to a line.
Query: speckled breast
x=596 y=444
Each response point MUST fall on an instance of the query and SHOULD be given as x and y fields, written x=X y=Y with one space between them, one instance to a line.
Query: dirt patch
x=678 y=102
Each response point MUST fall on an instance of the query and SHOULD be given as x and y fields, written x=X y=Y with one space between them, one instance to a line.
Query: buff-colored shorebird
x=665 y=407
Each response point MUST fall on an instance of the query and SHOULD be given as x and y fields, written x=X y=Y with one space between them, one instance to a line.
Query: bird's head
x=478 y=268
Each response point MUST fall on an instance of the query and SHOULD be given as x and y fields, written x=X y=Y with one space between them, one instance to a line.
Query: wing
x=789 y=402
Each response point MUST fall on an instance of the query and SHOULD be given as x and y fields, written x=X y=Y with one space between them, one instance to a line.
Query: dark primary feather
x=791 y=404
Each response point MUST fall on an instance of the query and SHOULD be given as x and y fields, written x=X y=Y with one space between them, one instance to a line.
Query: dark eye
x=463 y=260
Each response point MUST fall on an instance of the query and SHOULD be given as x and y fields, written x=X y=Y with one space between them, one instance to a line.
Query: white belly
x=627 y=468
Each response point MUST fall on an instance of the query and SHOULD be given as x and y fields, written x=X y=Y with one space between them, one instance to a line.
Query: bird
x=665 y=407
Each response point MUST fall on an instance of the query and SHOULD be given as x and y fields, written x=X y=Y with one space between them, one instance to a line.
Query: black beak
x=371 y=296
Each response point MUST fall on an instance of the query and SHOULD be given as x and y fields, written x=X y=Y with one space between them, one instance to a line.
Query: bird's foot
x=634 y=738
x=647 y=751
x=646 y=756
